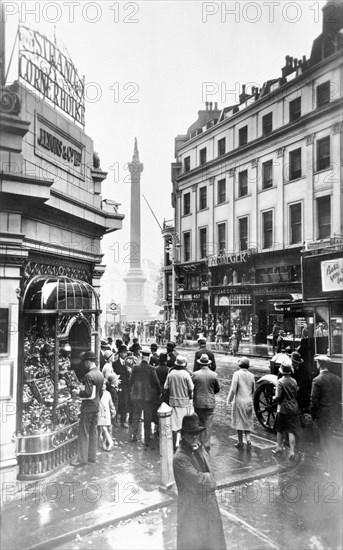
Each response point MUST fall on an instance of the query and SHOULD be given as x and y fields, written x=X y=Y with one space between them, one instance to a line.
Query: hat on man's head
x=322 y=359
x=146 y=351
x=136 y=347
x=154 y=347
x=180 y=361
x=134 y=340
x=201 y=341
x=204 y=360
x=288 y=350
x=108 y=354
x=122 y=348
x=191 y=425
x=244 y=363
x=285 y=368
x=104 y=344
x=171 y=345
x=89 y=356
x=163 y=357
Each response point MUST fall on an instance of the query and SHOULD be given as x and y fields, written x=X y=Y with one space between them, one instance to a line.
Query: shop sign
x=57 y=147
x=187 y=297
x=332 y=275
x=51 y=72
x=276 y=290
x=224 y=259
x=234 y=290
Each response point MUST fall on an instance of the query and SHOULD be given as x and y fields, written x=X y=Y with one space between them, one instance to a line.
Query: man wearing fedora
x=120 y=368
x=206 y=385
x=90 y=396
x=203 y=349
x=171 y=354
x=199 y=522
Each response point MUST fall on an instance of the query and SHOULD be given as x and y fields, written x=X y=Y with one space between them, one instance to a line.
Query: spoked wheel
x=264 y=408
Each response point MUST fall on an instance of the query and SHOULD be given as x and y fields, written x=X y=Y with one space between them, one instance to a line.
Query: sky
x=146 y=64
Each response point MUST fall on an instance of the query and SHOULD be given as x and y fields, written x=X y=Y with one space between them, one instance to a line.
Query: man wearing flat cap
x=203 y=349
x=325 y=408
x=199 y=522
x=90 y=396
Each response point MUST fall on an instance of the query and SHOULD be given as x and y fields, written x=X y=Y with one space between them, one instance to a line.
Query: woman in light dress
x=241 y=394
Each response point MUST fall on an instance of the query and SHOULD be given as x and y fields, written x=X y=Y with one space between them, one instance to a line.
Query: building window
x=324 y=217
x=267 y=123
x=267 y=174
x=267 y=228
x=221 y=191
x=243 y=135
x=295 y=164
x=221 y=147
x=203 y=242
x=187 y=164
x=186 y=203
x=295 y=109
x=295 y=223
x=202 y=198
x=323 y=153
x=203 y=156
x=243 y=183
x=323 y=93
x=221 y=237
x=243 y=233
x=186 y=246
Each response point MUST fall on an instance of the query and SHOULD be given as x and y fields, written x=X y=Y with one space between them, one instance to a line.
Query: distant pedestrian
x=280 y=343
x=234 y=343
x=154 y=358
x=162 y=371
x=219 y=334
x=203 y=349
x=287 y=417
x=241 y=394
x=206 y=386
x=325 y=408
x=171 y=354
x=199 y=522
x=108 y=365
x=275 y=334
x=106 y=412
x=180 y=386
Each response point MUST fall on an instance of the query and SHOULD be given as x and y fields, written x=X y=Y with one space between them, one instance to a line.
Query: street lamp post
x=171 y=249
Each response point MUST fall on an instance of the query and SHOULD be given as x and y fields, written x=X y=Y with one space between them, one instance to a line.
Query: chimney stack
x=216 y=106
x=211 y=105
x=206 y=105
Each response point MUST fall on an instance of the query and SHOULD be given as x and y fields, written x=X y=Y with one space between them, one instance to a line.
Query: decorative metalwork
x=9 y=100
x=38 y=265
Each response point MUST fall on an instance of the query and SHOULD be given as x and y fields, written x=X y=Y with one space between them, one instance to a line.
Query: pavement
x=123 y=484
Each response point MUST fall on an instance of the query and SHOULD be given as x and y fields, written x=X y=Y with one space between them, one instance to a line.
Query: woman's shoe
x=248 y=445
x=239 y=445
x=291 y=457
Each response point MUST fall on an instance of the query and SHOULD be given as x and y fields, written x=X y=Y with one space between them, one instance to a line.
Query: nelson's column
x=135 y=308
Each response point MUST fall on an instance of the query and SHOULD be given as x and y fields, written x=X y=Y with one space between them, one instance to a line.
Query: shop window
x=186 y=203
x=187 y=246
x=221 y=147
x=203 y=241
x=267 y=124
x=295 y=223
x=187 y=164
x=267 y=229
x=323 y=93
x=243 y=135
x=295 y=109
x=267 y=174
x=202 y=156
x=243 y=233
x=336 y=329
x=202 y=198
x=323 y=153
x=221 y=237
x=295 y=164
x=324 y=217
x=243 y=183
x=221 y=191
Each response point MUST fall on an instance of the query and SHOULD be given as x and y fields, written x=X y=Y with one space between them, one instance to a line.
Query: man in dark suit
x=206 y=385
x=145 y=392
x=88 y=436
x=202 y=349
x=120 y=368
x=325 y=408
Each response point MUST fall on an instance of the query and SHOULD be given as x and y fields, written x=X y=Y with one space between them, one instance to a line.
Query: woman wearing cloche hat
x=241 y=394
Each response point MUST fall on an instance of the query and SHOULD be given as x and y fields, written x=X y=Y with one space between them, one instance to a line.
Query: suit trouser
x=88 y=436
x=138 y=406
x=206 y=420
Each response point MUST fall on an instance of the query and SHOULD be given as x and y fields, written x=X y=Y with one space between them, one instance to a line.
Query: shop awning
x=46 y=292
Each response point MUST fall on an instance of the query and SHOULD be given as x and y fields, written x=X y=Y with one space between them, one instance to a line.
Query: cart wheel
x=264 y=409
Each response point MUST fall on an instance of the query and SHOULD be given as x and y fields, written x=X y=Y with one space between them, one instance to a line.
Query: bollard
x=166 y=447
